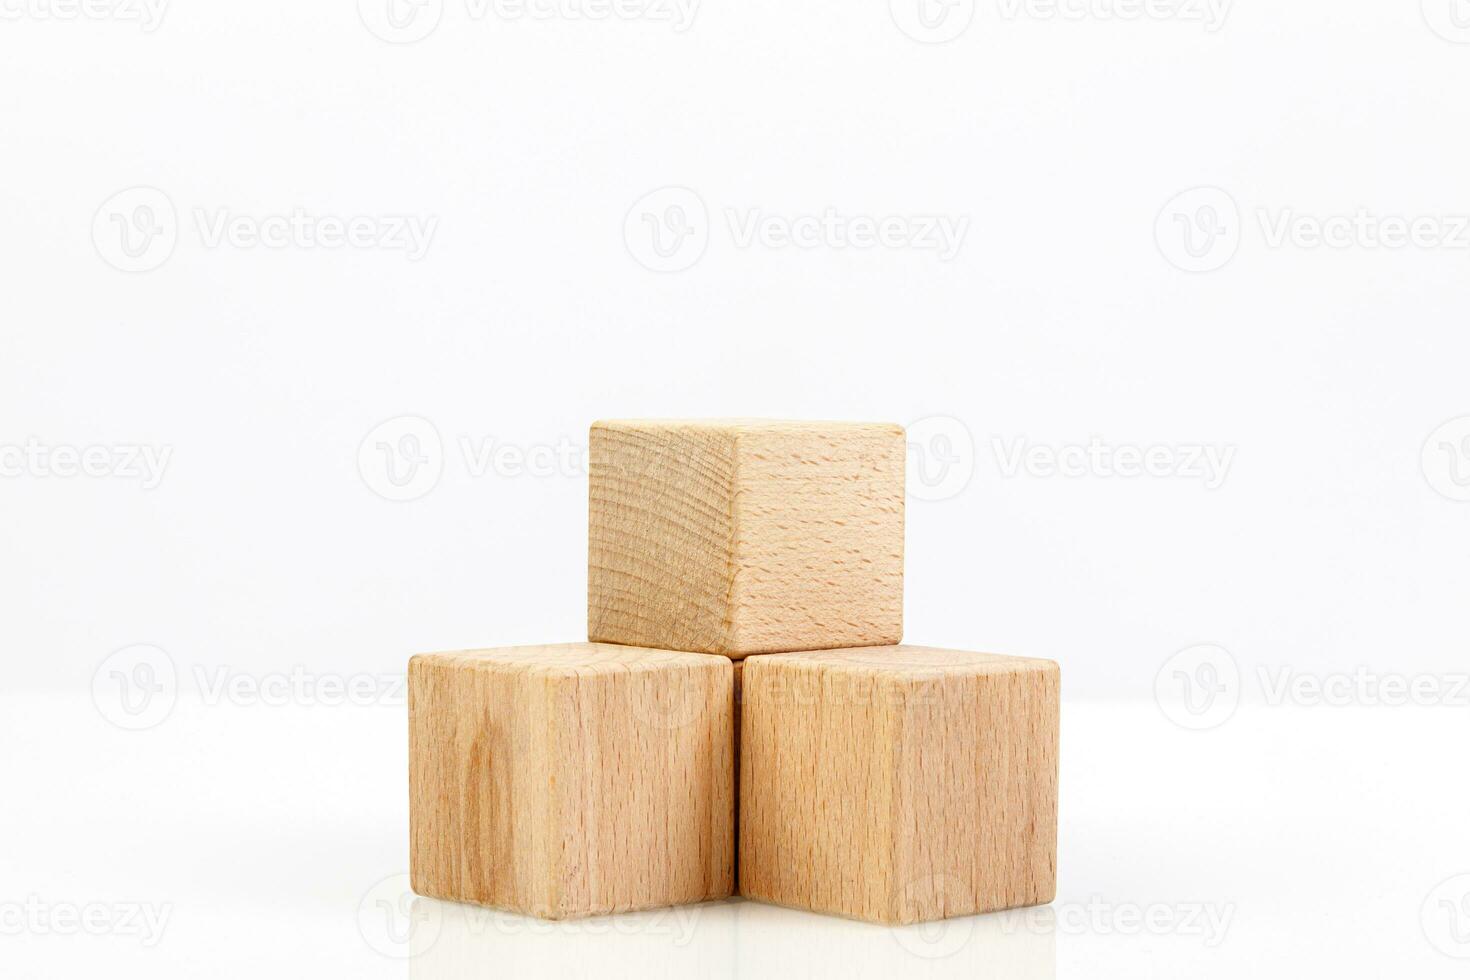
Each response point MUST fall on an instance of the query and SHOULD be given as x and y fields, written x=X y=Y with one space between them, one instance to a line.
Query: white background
x=1134 y=267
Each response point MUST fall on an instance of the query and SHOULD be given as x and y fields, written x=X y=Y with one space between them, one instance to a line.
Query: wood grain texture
x=898 y=784
x=739 y=666
x=738 y=537
x=571 y=780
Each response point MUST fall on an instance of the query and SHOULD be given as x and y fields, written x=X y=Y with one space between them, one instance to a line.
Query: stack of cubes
x=743 y=711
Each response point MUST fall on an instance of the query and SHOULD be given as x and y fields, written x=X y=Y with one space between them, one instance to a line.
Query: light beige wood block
x=898 y=784
x=571 y=780
x=740 y=537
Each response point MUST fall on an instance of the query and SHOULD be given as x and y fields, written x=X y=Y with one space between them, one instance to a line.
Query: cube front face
x=571 y=780
x=899 y=784
x=746 y=537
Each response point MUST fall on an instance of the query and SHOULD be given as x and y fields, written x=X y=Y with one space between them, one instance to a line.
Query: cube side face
x=816 y=790
x=975 y=825
x=819 y=527
x=478 y=816
x=660 y=532
x=582 y=784
x=643 y=800
x=899 y=785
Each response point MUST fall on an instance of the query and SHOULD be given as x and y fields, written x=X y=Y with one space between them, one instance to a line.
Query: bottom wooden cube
x=571 y=780
x=898 y=784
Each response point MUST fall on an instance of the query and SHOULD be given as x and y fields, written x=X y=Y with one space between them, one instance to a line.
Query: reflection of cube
x=739 y=537
x=898 y=784
x=571 y=780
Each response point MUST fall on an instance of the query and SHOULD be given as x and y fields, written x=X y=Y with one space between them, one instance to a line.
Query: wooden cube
x=571 y=780
x=740 y=537
x=898 y=784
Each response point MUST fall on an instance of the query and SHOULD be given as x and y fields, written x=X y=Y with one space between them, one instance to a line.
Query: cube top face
x=745 y=426
x=899 y=785
x=565 y=659
x=571 y=780
x=746 y=536
x=904 y=661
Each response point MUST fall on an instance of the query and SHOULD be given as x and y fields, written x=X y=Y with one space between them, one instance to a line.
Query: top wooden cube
x=745 y=536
